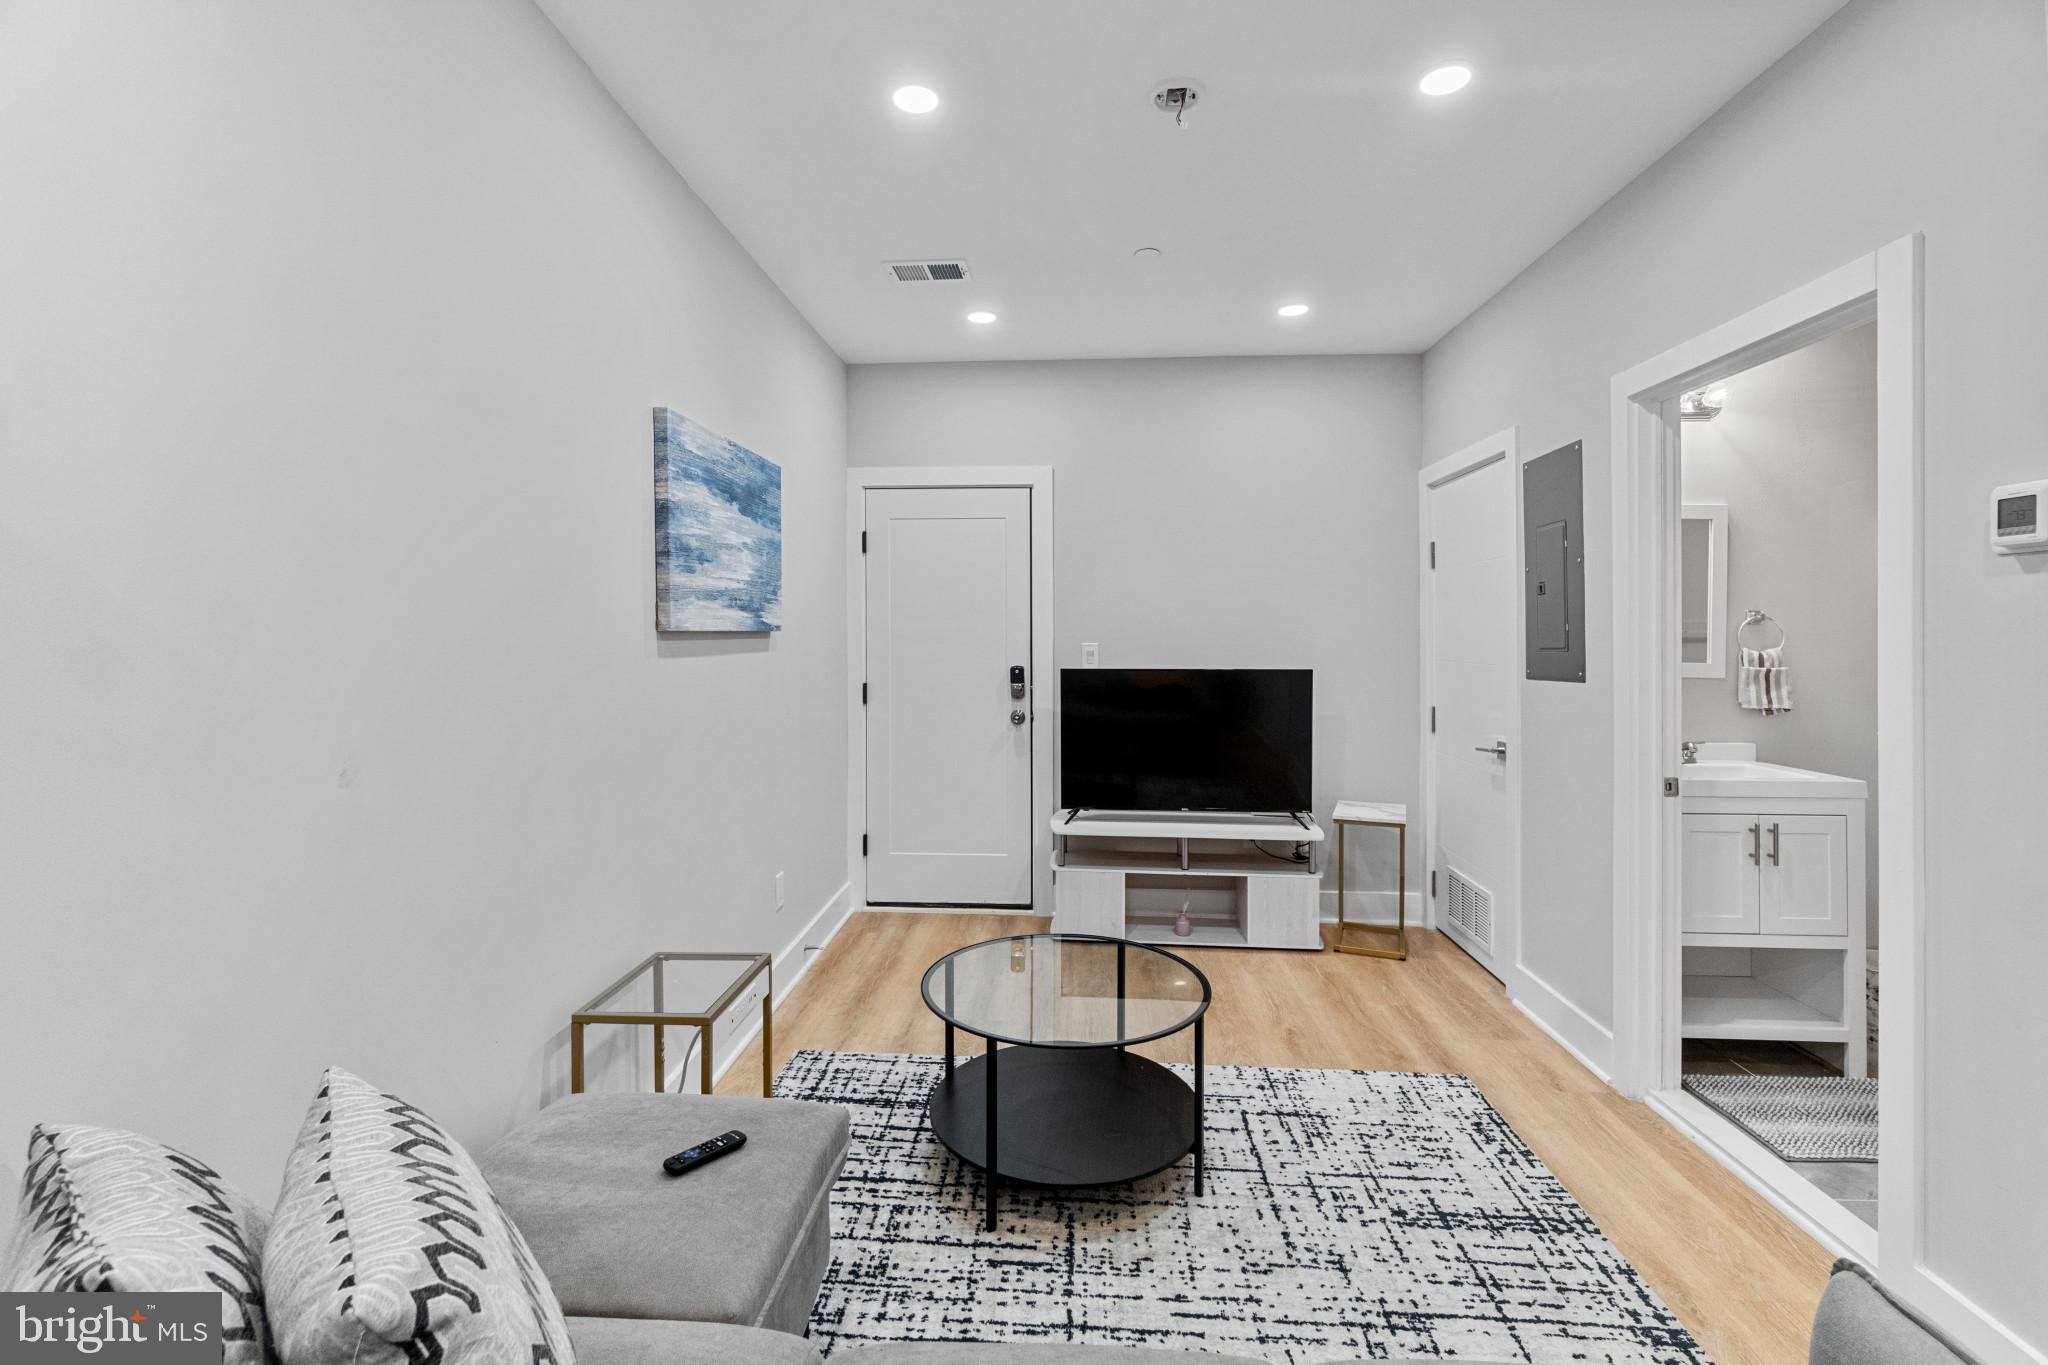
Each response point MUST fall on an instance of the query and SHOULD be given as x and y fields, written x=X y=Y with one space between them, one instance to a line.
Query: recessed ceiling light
x=1447 y=80
x=1147 y=253
x=1293 y=310
x=981 y=317
x=915 y=99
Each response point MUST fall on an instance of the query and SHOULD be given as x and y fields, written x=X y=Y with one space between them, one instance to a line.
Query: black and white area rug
x=1346 y=1214
x=1801 y=1118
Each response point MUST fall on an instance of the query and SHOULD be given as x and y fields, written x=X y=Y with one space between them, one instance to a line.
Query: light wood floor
x=1741 y=1277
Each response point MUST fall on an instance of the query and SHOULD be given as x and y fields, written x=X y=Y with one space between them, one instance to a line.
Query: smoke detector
x=1177 y=98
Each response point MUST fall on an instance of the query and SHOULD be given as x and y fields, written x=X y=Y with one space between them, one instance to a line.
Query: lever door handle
x=1499 y=748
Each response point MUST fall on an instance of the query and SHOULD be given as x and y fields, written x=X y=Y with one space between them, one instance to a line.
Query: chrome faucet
x=1689 y=751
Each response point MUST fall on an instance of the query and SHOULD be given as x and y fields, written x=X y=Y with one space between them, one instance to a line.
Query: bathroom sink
x=1746 y=778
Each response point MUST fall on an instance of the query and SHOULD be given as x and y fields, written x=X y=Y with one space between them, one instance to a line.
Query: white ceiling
x=1312 y=169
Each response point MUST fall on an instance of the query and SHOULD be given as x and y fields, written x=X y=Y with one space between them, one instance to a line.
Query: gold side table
x=604 y=1010
x=1376 y=815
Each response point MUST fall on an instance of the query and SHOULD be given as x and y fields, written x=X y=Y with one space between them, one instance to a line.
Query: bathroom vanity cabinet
x=1772 y=908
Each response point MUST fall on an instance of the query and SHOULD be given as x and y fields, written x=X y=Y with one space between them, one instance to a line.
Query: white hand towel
x=1763 y=683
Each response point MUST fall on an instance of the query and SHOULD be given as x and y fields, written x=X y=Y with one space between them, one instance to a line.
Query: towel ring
x=1758 y=618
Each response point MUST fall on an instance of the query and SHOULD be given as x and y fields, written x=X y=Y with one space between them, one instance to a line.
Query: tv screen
x=1186 y=738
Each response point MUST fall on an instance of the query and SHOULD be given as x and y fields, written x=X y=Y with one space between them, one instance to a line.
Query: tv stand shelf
x=1127 y=874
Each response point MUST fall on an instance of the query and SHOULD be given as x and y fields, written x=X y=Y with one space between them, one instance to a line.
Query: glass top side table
x=685 y=990
x=1381 y=815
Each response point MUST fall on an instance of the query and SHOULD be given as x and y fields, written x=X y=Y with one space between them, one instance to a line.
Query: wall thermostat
x=2017 y=526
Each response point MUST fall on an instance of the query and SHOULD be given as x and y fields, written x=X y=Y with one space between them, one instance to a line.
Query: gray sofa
x=721 y=1267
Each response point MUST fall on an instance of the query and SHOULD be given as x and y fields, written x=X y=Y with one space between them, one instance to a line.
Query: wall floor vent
x=1470 y=907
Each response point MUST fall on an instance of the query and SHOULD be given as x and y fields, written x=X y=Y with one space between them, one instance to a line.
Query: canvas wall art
x=717 y=531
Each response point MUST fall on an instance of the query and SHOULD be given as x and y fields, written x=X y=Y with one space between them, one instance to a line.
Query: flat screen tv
x=1172 y=739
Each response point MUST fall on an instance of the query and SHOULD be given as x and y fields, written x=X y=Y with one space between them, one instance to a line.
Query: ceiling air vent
x=925 y=272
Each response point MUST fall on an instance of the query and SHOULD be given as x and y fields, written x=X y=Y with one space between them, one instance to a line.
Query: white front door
x=948 y=740
x=1474 y=645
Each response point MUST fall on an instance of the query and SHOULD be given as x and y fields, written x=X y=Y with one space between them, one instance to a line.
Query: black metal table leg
x=1120 y=992
x=949 y=1052
x=989 y=1166
x=1198 y=1108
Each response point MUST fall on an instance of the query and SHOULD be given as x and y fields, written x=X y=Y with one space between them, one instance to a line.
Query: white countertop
x=1749 y=779
x=1371 y=812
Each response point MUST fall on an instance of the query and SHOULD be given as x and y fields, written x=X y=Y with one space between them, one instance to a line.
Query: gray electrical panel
x=1554 y=566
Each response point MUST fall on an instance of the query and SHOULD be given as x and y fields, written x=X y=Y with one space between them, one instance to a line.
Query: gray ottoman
x=743 y=1241
x=1021 y=1353
x=658 y=1341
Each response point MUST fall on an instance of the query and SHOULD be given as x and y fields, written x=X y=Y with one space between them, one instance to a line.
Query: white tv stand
x=1126 y=874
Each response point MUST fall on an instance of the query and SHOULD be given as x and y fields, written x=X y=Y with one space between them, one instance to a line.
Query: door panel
x=1805 y=878
x=1473 y=661
x=1719 y=888
x=949 y=773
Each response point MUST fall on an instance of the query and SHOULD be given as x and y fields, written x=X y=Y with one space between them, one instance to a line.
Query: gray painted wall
x=1794 y=456
x=336 y=729
x=1210 y=514
x=1896 y=116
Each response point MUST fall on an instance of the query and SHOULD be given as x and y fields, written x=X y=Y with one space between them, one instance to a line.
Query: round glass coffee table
x=1066 y=1104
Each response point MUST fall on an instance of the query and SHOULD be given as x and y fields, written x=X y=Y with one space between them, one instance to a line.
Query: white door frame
x=1503 y=445
x=1884 y=286
x=1043 y=701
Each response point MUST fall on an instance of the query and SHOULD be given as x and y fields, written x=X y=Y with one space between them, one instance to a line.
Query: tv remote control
x=708 y=1150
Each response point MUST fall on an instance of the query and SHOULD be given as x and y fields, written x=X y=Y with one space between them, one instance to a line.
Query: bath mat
x=1800 y=1118
x=1346 y=1214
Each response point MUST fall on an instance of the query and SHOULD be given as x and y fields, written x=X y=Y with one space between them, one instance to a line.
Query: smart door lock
x=1016 y=680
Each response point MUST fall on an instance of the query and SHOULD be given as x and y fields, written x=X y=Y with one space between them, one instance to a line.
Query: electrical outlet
x=745 y=1012
x=780 y=891
x=1091 y=655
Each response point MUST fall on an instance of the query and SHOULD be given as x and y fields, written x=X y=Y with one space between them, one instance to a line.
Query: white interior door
x=1474 y=644
x=948 y=742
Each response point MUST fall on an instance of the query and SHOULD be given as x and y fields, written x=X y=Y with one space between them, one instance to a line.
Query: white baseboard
x=1964 y=1319
x=1841 y=1232
x=1375 y=907
x=957 y=910
x=1570 y=1027
x=792 y=960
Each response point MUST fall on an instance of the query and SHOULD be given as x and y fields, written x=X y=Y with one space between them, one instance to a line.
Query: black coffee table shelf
x=1055 y=1098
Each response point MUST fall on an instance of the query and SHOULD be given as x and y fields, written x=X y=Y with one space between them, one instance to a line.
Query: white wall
x=335 y=727
x=1210 y=514
x=1794 y=457
x=1896 y=116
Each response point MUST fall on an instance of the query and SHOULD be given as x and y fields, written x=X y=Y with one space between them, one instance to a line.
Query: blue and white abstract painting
x=717 y=531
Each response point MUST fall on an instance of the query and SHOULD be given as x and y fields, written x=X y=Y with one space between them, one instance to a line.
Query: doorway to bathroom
x=1778 y=816
x=1766 y=671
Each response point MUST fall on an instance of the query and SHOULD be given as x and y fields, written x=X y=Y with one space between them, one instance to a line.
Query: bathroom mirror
x=1703 y=590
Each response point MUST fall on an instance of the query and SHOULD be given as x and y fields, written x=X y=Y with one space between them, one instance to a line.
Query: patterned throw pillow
x=387 y=1247
x=107 y=1211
